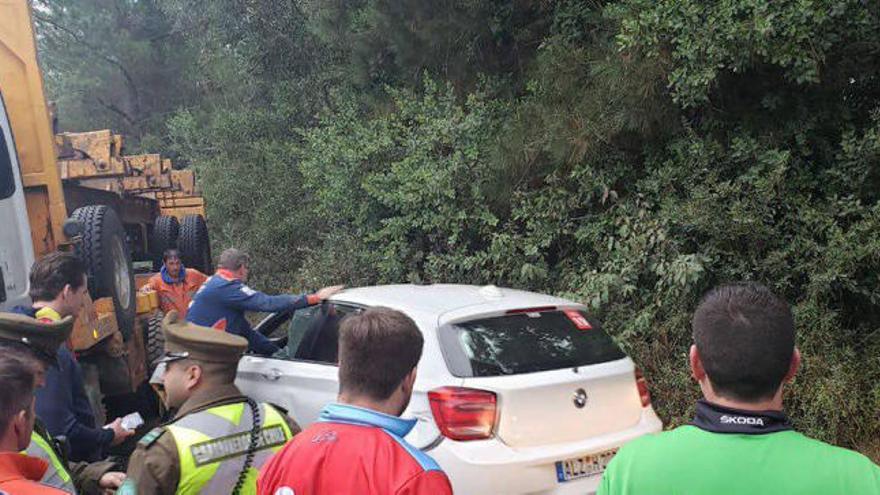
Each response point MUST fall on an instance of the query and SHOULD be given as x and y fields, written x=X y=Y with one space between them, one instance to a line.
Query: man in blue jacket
x=58 y=289
x=222 y=300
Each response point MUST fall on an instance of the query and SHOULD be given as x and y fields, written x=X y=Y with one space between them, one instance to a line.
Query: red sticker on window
x=578 y=319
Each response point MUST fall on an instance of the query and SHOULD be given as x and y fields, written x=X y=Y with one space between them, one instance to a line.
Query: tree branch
x=99 y=52
x=113 y=108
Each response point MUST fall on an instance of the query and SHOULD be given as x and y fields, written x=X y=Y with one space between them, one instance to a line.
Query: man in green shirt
x=740 y=441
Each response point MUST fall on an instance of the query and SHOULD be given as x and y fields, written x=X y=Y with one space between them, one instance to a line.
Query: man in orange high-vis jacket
x=175 y=283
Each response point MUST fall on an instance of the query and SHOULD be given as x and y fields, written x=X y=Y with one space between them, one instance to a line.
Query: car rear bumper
x=490 y=466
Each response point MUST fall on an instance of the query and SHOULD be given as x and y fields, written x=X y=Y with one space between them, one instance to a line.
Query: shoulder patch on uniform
x=151 y=437
x=247 y=290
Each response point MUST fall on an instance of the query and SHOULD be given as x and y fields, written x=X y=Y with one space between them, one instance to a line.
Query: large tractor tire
x=166 y=230
x=108 y=261
x=193 y=243
x=154 y=341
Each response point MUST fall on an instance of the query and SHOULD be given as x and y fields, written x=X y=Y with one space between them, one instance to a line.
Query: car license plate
x=583 y=467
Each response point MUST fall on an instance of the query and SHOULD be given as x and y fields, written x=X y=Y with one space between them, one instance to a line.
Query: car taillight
x=463 y=413
x=642 y=385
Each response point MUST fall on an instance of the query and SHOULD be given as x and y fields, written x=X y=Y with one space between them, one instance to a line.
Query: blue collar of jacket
x=344 y=413
x=181 y=277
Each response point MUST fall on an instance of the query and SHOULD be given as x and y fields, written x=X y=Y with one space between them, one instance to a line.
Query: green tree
x=112 y=63
x=628 y=154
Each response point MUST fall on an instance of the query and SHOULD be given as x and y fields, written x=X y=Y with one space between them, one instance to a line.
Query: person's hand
x=111 y=480
x=119 y=433
x=327 y=292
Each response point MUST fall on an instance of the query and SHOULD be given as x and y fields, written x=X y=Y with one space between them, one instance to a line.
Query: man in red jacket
x=19 y=474
x=357 y=446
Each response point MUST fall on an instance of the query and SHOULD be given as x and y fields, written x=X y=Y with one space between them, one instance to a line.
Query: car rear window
x=525 y=343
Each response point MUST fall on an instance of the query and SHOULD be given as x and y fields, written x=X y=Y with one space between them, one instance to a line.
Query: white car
x=516 y=392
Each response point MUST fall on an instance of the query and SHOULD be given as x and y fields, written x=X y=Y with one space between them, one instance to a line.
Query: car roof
x=439 y=299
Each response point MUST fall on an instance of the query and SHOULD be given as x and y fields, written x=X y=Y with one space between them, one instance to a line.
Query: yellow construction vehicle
x=78 y=191
x=159 y=207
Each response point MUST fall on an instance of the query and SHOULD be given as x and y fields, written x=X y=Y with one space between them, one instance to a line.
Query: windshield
x=526 y=343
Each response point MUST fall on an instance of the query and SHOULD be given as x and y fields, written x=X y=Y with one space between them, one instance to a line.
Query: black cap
x=42 y=338
x=187 y=340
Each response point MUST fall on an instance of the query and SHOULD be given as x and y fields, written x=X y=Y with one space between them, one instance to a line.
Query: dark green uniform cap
x=187 y=340
x=42 y=338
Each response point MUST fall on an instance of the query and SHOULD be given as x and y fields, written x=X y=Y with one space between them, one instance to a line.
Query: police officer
x=40 y=342
x=218 y=439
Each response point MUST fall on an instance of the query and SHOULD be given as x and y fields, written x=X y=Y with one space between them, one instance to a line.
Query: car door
x=16 y=250
x=303 y=376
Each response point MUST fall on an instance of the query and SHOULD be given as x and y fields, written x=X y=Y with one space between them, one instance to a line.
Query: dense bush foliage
x=627 y=154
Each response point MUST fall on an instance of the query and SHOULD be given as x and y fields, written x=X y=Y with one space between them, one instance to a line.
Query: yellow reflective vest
x=213 y=443
x=57 y=474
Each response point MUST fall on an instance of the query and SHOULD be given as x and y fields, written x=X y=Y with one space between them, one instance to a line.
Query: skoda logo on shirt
x=579 y=398
x=741 y=420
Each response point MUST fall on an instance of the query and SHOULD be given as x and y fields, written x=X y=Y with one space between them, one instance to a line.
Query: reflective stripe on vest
x=57 y=475
x=212 y=445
